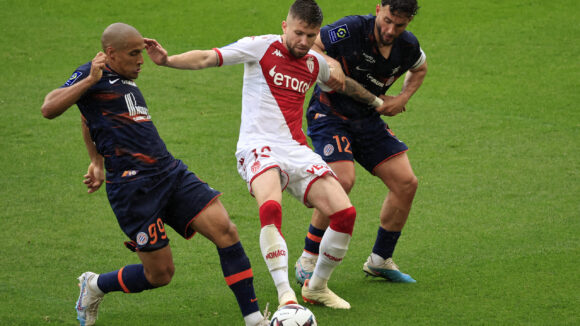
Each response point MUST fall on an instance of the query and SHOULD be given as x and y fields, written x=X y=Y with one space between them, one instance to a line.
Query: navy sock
x=129 y=279
x=312 y=240
x=239 y=277
x=385 y=243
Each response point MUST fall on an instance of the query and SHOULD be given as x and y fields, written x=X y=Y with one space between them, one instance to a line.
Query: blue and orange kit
x=351 y=41
x=121 y=127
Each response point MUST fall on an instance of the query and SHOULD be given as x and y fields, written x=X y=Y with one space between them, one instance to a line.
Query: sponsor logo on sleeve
x=73 y=78
x=339 y=33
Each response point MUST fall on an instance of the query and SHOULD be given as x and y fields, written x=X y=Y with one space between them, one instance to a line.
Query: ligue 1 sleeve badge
x=76 y=75
x=339 y=33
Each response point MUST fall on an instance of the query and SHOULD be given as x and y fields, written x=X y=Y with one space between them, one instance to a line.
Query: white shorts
x=299 y=167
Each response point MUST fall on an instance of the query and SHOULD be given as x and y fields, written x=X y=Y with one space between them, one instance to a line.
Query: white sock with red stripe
x=333 y=246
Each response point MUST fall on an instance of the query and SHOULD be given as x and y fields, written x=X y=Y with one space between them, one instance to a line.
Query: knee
x=343 y=221
x=408 y=186
x=347 y=183
x=161 y=277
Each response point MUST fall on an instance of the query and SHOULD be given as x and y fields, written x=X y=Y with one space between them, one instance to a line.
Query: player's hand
x=155 y=51
x=392 y=105
x=94 y=177
x=97 y=65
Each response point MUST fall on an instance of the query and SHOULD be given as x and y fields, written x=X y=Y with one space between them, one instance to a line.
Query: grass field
x=493 y=237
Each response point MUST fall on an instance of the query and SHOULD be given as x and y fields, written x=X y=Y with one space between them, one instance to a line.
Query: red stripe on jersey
x=220 y=58
x=289 y=78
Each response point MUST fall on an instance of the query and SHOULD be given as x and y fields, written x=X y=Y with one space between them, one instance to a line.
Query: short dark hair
x=307 y=11
x=408 y=7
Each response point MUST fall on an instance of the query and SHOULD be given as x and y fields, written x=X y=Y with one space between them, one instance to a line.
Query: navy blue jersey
x=120 y=126
x=351 y=41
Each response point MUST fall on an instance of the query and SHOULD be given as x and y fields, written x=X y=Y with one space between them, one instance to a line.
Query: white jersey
x=275 y=86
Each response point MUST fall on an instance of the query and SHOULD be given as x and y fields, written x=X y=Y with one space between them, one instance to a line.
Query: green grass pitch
x=493 y=237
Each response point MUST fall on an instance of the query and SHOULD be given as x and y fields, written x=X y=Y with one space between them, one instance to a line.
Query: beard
x=295 y=52
x=382 y=39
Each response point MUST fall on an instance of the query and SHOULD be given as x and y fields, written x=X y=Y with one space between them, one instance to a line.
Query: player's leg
x=156 y=270
x=397 y=174
x=214 y=223
x=267 y=190
x=304 y=267
x=327 y=195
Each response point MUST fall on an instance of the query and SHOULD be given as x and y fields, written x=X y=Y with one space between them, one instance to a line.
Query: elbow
x=47 y=112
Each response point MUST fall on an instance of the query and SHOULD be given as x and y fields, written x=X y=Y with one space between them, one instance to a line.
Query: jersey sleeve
x=323 y=72
x=247 y=49
x=340 y=34
x=416 y=55
x=79 y=74
x=420 y=61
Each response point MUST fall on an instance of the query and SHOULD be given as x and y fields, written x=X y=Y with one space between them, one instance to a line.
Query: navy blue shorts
x=144 y=206
x=369 y=141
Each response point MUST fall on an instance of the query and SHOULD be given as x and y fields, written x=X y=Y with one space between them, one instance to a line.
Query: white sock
x=333 y=248
x=253 y=319
x=275 y=253
x=95 y=287
x=376 y=259
x=306 y=254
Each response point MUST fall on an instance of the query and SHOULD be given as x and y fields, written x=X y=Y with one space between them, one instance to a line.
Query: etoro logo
x=283 y=80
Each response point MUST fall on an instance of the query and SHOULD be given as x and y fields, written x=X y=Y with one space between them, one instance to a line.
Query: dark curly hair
x=308 y=11
x=408 y=7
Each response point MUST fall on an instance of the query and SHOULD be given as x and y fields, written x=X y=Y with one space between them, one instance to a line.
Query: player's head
x=302 y=26
x=123 y=45
x=393 y=16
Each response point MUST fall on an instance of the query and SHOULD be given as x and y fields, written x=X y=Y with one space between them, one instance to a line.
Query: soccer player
x=147 y=187
x=272 y=150
x=374 y=51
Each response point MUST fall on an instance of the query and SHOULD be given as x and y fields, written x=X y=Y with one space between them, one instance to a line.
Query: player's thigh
x=213 y=222
x=396 y=172
x=267 y=186
x=345 y=172
x=326 y=195
x=374 y=143
x=190 y=198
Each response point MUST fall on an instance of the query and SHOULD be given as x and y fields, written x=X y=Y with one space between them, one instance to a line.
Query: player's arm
x=337 y=76
x=351 y=87
x=59 y=100
x=192 y=60
x=413 y=80
x=96 y=172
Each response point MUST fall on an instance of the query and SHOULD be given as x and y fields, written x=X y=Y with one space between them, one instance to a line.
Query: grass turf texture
x=493 y=237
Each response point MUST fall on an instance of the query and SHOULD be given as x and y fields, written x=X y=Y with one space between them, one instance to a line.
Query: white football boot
x=323 y=297
x=88 y=303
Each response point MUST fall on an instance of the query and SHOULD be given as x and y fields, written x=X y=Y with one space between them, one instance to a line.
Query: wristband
x=377 y=102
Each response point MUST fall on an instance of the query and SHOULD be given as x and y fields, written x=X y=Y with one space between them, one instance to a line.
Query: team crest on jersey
x=73 y=78
x=338 y=34
x=142 y=238
x=255 y=167
x=310 y=64
x=328 y=150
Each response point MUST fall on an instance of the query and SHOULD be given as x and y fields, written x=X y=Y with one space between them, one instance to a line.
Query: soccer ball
x=293 y=315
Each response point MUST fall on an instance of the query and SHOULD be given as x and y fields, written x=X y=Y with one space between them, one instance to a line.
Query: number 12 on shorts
x=342 y=144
